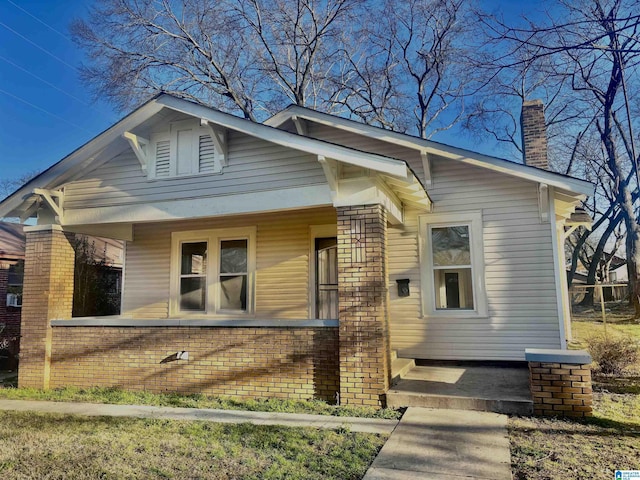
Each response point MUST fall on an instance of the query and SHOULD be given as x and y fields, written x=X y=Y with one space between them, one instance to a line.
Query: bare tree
x=392 y=64
x=414 y=77
x=592 y=45
x=251 y=57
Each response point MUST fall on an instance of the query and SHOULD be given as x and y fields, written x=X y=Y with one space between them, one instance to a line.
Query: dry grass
x=543 y=449
x=118 y=396
x=49 y=446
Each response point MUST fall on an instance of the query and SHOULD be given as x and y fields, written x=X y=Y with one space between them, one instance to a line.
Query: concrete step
x=394 y=355
x=396 y=399
x=400 y=367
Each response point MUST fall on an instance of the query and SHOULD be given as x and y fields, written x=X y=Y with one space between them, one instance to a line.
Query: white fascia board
x=372 y=161
x=245 y=203
x=428 y=146
x=78 y=159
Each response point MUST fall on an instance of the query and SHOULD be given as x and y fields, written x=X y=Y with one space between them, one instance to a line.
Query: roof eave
x=498 y=164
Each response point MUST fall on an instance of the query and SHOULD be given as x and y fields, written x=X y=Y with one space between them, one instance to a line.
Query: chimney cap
x=529 y=103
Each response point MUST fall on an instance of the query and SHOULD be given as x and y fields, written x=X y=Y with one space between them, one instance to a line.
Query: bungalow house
x=289 y=258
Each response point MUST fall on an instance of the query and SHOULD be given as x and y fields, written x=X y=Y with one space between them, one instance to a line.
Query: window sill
x=456 y=315
x=192 y=322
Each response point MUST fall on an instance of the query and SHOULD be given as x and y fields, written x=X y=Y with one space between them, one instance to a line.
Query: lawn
x=50 y=446
x=125 y=397
x=594 y=448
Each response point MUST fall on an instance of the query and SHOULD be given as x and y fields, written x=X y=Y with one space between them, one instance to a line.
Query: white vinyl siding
x=281 y=272
x=253 y=165
x=519 y=275
x=518 y=261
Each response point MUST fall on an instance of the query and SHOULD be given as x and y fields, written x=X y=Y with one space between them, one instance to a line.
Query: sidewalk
x=355 y=424
x=453 y=444
x=426 y=443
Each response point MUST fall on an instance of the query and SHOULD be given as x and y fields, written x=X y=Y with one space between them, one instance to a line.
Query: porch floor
x=484 y=388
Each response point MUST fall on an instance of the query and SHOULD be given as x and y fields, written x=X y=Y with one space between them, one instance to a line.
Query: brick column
x=362 y=285
x=560 y=383
x=47 y=294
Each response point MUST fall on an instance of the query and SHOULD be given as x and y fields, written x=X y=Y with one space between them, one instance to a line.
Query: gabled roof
x=100 y=149
x=519 y=170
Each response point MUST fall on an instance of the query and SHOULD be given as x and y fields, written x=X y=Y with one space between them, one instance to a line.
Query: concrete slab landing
x=453 y=444
x=481 y=388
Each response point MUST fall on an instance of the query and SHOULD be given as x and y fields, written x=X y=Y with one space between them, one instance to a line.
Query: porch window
x=212 y=272
x=452 y=264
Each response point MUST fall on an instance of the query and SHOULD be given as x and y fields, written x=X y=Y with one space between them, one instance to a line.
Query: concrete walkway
x=355 y=424
x=452 y=444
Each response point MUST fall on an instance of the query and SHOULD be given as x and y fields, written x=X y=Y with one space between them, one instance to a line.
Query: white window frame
x=213 y=290
x=438 y=220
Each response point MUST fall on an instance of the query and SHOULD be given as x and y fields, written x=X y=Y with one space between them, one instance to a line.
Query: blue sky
x=45 y=111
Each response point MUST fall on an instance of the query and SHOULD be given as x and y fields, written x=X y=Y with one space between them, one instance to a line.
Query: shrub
x=613 y=354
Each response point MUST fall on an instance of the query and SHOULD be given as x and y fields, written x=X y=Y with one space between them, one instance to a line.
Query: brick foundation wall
x=294 y=363
x=365 y=356
x=561 y=389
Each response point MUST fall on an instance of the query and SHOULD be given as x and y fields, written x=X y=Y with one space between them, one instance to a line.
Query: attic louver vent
x=163 y=159
x=207 y=155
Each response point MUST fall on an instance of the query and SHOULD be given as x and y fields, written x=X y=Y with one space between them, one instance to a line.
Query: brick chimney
x=534 y=134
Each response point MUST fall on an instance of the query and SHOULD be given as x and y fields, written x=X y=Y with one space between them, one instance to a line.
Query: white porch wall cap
x=191 y=322
x=42 y=228
x=578 y=357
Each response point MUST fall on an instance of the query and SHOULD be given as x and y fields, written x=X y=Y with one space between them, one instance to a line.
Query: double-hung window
x=452 y=264
x=212 y=272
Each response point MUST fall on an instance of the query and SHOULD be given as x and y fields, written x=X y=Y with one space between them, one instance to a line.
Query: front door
x=326 y=278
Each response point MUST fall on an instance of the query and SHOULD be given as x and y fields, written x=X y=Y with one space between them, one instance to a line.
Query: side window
x=452 y=264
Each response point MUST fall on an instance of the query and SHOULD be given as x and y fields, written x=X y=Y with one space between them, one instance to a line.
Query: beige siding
x=519 y=275
x=282 y=262
x=253 y=165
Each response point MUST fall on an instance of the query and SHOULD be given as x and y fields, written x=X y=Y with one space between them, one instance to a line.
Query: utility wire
x=42 y=22
x=38 y=46
x=44 y=81
x=64 y=92
x=45 y=111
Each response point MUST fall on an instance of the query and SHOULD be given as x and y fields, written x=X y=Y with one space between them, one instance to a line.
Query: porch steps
x=485 y=389
x=397 y=399
x=400 y=367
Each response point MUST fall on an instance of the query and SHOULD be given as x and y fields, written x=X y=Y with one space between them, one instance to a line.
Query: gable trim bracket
x=219 y=138
x=54 y=200
x=301 y=125
x=330 y=168
x=140 y=147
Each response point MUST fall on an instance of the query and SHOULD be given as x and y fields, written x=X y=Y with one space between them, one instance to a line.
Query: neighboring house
x=288 y=258
x=12 y=243
x=106 y=257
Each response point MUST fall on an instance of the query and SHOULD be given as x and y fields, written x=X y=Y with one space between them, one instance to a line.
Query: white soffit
x=95 y=151
x=466 y=156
